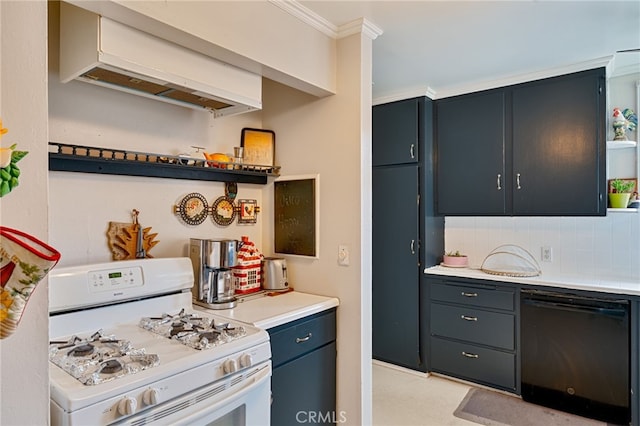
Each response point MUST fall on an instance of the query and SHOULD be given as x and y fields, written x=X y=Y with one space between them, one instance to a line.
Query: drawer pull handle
x=465 y=294
x=467 y=318
x=412 y=151
x=498 y=182
x=470 y=355
x=303 y=339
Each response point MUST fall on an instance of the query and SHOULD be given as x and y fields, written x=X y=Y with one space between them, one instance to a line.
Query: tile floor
x=402 y=397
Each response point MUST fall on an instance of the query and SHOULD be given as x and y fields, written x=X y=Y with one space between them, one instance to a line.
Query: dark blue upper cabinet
x=395 y=133
x=471 y=168
x=532 y=149
x=559 y=146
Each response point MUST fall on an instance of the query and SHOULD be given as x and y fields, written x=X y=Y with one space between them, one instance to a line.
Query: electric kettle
x=275 y=274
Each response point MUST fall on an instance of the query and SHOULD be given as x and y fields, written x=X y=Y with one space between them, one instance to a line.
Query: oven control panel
x=115 y=279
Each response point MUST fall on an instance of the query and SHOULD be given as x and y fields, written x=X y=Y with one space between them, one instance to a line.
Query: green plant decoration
x=620 y=186
x=9 y=171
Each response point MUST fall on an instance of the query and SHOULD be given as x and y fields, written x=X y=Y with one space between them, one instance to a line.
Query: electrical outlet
x=343 y=255
x=547 y=254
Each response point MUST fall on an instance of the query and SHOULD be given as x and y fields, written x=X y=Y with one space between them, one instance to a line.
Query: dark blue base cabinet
x=303 y=384
x=474 y=332
x=482 y=331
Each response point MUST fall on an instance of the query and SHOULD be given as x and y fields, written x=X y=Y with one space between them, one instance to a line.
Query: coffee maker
x=213 y=278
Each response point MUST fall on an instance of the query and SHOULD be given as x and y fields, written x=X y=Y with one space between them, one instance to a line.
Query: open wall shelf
x=86 y=159
x=621 y=144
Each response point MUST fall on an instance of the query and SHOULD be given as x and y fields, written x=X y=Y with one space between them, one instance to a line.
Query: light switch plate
x=343 y=255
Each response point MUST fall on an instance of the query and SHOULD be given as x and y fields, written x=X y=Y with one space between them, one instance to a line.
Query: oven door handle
x=197 y=413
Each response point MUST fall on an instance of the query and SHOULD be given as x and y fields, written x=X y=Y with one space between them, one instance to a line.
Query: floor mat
x=490 y=408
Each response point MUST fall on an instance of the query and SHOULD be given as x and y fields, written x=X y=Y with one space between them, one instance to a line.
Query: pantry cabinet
x=473 y=331
x=303 y=382
x=396 y=132
x=532 y=149
x=407 y=236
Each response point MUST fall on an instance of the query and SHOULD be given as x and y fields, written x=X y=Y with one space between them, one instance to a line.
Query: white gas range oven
x=126 y=347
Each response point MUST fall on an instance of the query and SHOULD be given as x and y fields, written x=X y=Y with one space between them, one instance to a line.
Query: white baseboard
x=399 y=368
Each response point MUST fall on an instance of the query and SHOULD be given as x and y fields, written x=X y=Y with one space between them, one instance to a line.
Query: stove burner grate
x=192 y=330
x=110 y=366
x=82 y=350
x=99 y=358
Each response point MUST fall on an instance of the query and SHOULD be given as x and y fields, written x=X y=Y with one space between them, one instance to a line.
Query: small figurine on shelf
x=622 y=121
x=632 y=118
x=619 y=124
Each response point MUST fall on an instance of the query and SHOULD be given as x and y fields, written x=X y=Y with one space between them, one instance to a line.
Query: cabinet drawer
x=466 y=361
x=476 y=296
x=289 y=341
x=473 y=325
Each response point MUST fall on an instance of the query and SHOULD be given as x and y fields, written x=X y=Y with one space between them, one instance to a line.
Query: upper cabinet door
x=470 y=154
x=559 y=146
x=395 y=133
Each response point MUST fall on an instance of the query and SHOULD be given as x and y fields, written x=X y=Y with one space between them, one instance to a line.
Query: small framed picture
x=259 y=147
x=248 y=211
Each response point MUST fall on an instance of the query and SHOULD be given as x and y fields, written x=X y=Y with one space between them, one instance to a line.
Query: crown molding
x=414 y=92
x=626 y=70
x=523 y=78
x=316 y=21
x=307 y=16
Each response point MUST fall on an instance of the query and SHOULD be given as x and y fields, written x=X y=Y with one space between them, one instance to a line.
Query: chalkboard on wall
x=296 y=215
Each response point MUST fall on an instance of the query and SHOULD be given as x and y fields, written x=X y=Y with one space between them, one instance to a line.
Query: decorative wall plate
x=223 y=211
x=193 y=208
x=248 y=210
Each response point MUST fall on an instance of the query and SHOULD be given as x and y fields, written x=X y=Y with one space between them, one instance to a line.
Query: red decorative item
x=25 y=261
x=247 y=274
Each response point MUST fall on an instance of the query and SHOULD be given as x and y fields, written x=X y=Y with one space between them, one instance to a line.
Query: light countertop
x=268 y=311
x=607 y=285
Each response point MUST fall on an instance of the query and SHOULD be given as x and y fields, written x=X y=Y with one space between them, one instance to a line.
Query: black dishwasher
x=575 y=354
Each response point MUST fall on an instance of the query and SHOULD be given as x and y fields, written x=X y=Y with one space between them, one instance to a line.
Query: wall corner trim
x=361 y=25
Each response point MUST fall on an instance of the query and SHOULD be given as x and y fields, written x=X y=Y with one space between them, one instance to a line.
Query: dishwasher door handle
x=612 y=312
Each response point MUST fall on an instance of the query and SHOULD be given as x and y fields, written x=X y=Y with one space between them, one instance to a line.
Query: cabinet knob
x=498 y=182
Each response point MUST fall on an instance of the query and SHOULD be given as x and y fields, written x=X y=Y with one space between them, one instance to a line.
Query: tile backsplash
x=598 y=247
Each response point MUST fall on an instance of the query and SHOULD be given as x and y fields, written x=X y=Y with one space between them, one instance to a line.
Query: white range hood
x=107 y=53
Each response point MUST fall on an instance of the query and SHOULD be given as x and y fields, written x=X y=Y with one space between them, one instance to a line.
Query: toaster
x=275 y=274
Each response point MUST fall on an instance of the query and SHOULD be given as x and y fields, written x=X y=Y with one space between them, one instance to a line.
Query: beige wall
x=24 y=376
x=331 y=137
